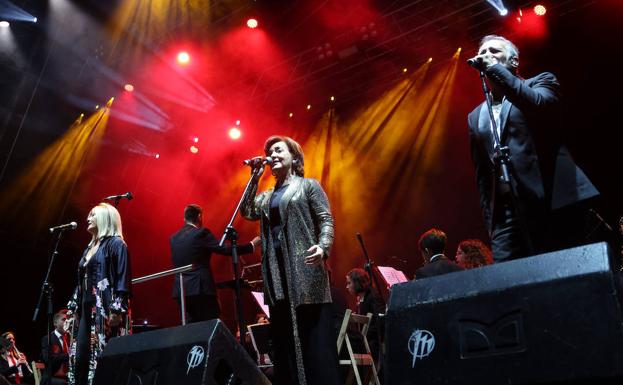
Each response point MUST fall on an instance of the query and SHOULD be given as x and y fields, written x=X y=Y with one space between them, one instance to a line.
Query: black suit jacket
x=438 y=266
x=546 y=176
x=191 y=245
x=57 y=357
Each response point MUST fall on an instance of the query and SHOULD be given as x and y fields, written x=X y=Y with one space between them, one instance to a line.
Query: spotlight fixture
x=183 y=58
x=540 y=10
x=290 y=114
x=235 y=133
x=332 y=98
x=4 y=24
x=157 y=156
x=252 y=23
x=194 y=149
x=128 y=87
x=196 y=139
x=237 y=122
x=499 y=6
x=309 y=107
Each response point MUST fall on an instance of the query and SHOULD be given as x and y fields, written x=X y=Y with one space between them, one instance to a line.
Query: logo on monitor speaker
x=194 y=357
x=421 y=344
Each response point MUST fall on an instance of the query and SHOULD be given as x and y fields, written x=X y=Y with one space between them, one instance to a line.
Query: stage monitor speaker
x=202 y=353
x=549 y=319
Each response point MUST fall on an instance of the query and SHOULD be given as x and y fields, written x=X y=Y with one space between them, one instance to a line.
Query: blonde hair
x=107 y=220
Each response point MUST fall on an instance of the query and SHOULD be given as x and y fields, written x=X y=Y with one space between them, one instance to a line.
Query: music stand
x=260 y=339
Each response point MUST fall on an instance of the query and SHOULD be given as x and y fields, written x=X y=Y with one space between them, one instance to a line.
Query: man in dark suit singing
x=59 y=342
x=552 y=192
x=432 y=245
x=194 y=244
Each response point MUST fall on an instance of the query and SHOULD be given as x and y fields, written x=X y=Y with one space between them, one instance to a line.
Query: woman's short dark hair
x=295 y=149
x=476 y=254
x=360 y=280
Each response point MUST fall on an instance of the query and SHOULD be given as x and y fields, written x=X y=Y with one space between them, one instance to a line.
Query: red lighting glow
x=128 y=87
x=194 y=149
x=235 y=133
x=252 y=23
x=183 y=58
x=540 y=10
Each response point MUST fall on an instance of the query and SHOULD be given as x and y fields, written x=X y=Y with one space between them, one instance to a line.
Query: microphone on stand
x=127 y=196
x=258 y=161
x=68 y=226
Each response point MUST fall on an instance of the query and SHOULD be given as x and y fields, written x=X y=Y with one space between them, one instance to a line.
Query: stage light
x=404 y=70
x=290 y=114
x=309 y=107
x=540 y=10
x=252 y=23
x=430 y=59
x=4 y=24
x=499 y=6
x=459 y=50
x=97 y=107
x=332 y=98
x=194 y=149
x=235 y=133
x=196 y=140
x=183 y=58
x=128 y=87
x=157 y=156
x=237 y=122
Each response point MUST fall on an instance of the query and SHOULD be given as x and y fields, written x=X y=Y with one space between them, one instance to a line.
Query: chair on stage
x=357 y=359
x=260 y=337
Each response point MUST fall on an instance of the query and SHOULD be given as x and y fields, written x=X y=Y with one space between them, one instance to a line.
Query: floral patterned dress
x=103 y=290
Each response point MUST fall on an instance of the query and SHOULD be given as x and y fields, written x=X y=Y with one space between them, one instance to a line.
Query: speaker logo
x=194 y=357
x=421 y=344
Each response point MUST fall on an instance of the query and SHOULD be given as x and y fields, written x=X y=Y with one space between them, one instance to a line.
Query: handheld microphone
x=475 y=62
x=68 y=226
x=258 y=161
x=127 y=196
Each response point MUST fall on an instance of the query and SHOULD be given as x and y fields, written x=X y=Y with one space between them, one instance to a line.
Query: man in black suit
x=59 y=358
x=194 y=244
x=552 y=192
x=432 y=245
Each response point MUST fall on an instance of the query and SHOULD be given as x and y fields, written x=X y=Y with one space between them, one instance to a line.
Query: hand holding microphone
x=482 y=62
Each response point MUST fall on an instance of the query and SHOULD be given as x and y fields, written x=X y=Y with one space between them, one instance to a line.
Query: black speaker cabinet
x=549 y=319
x=202 y=353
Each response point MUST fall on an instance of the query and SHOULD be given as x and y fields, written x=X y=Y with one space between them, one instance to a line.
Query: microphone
x=68 y=226
x=475 y=62
x=258 y=161
x=127 y=196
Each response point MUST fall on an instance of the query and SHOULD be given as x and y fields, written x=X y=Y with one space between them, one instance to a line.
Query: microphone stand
x=232 y=235
x=502 y=158
x=368 y=266
x=48 y=289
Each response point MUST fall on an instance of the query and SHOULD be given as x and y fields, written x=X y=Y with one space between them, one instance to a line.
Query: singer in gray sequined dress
x=297 y=234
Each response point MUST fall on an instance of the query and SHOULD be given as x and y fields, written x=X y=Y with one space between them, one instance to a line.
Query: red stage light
x=235 y=133
x=196 y=140
x=252 y=23
x=540 y=10
x=194 y=149
x=129 y=87
x=183 y=58
x=157 y=156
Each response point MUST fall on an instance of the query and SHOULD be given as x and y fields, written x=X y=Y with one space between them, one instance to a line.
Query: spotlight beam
x=499 y=6
x=10 y=11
